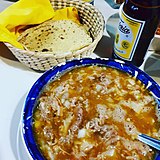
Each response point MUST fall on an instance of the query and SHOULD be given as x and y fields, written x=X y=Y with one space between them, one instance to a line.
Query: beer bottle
x=138 y=22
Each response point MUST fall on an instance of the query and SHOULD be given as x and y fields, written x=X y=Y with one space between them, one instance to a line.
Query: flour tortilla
x=55 y=37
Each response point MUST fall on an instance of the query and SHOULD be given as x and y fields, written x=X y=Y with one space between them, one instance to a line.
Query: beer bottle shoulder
x=137 y=11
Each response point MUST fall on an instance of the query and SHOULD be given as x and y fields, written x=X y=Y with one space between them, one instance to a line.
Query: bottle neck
x=145 y=3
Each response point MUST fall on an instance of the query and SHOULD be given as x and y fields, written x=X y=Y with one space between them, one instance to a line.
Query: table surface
x=17 y=79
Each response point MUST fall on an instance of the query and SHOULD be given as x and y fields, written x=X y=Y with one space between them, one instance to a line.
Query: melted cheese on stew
x=95 y=113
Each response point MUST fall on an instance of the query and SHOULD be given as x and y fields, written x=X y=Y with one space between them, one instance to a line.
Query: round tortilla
x=55 y=37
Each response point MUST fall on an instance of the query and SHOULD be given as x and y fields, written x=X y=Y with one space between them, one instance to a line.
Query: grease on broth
x=95 y=113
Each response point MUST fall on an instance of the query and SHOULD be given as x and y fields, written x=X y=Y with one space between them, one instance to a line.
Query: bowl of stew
x=91 y=109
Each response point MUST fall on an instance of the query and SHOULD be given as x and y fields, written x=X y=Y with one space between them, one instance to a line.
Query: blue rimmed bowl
x=30 y=103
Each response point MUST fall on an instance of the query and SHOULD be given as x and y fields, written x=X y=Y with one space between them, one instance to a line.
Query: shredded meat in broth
x=95 y=113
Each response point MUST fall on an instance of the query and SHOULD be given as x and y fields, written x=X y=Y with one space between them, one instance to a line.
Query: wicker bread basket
x=89 y=16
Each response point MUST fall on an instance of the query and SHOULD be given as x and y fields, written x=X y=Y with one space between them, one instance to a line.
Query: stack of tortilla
x=55 y=36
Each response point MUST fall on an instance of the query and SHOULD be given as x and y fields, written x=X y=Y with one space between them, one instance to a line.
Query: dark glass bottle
x=138 y=22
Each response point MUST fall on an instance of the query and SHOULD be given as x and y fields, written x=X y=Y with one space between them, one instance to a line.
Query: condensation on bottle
x=138 y=22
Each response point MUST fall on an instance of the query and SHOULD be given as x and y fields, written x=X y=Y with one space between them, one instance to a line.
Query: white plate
x=22 y=152
x=21 y=148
